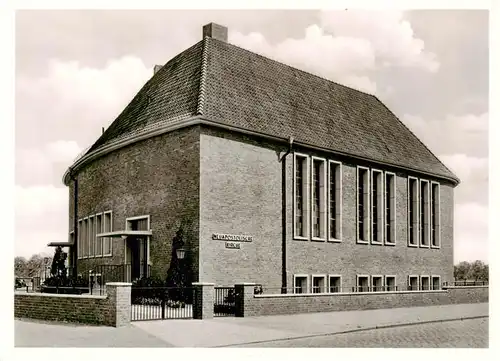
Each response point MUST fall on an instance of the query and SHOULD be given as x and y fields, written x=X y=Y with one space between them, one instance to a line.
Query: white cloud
x=465 y=166
x=71 y=96
x=41 y=217
x=471 y=232
x=455 y=134
x=45 y=164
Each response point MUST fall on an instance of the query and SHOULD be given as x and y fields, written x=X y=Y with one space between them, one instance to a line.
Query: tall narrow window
x=300 y=190
x=435 y=217
x=424 y=214
x=80 y=239
x=335 y=200
x=318 y=198
x=108 y=227
x=390 y=208
x=98 y=240
x=377 y=207
x=413 y=212
x=85 y=238
x=363 y=200
x=91 y=236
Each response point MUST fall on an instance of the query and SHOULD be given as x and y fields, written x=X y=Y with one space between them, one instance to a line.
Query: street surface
x=460 y=334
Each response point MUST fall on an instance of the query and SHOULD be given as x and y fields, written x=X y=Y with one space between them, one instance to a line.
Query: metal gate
x=224 y=303
x=161 y=303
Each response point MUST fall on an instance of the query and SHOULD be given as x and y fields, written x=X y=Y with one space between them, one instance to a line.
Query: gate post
x=243 y=296
x=119 y=300
x=203 y=303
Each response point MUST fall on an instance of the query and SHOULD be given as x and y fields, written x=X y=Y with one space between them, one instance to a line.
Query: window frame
x=432 y=282
x=128 y=228
x=322 y=199
x=367 y=227
x=330 y=276
x=380 y=206
x=431 y=204
x=338 y=200
x=426 y=235
x=372 y=284
x=85 y=244
x=79 y=240
x=108 y=239
x=325 y=284
x=305 y=195
x=415 y=228
x=299 y=275
x=393 y=211
x=395 y=283
x=99 y=240
x=421 y=285
x=91 y=236
x=409 y=282
x=358 y=276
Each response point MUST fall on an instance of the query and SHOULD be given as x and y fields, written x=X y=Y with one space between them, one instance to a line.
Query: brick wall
x=110 y=310
x=240 y=193
x=66 y=308
x=262 y=305
x=157 y=177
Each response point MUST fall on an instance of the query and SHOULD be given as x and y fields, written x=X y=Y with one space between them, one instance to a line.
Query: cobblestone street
x=466 y=334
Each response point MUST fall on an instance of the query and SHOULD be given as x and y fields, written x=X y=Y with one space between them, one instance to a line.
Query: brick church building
x=274 y=175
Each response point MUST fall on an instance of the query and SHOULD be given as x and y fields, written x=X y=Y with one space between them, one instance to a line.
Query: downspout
x=283 y=216
x=75 y=224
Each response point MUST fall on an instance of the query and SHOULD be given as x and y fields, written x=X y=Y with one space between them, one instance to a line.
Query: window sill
x=413 y=245
x=389 y=243
x=334 y=240
x=316 y=239
x=107 y=255
x=424 y=246
x=377 y=243
x=436 y=247
x=298 y=238
x=362 y=242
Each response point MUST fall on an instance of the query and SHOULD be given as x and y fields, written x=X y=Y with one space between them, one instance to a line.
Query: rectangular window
x=424 y=214
x=318 y=284
x=390 y=208
x=85 y=238
x=91 y=236
x=318 y=197
x=301 y=195
x=363 y=283
x=390 y=283
x=98 y=240
x=436 y=283
x=424 y=283
x=377 y=207
x=377 y=283
x=435 y=216
x=300 y=284
x=335 y=283
x=363 y=204
x=413 y=283
x=108 y=227
x=412 y=211
x=335 y=200
x=80 y=239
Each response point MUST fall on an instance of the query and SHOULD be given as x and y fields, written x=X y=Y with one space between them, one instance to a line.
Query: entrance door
x=135 y=257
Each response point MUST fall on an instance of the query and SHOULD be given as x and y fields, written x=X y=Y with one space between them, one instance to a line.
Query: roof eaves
x=203 y=78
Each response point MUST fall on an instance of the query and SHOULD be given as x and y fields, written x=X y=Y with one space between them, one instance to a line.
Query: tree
x=33 y=267
x=20 y=267
x=461 y=271
x=476 y=270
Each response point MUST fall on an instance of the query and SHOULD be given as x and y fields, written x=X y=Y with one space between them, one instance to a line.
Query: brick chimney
x=215 y=31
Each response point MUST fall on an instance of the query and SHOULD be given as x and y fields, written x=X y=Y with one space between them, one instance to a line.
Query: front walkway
x=227 y=331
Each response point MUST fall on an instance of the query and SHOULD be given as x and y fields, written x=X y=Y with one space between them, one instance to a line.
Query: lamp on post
x=181 y=252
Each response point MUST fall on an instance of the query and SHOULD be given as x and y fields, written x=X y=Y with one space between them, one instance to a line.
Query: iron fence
x=224 y=303
x=467 y=283
x=160 y=303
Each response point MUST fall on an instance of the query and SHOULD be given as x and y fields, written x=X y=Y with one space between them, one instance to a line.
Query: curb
x=355 y=330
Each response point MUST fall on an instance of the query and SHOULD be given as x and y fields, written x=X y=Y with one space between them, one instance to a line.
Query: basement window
x=363 y=283
x=425 y=283
x=335 y=283
x=318 y=284
x=300 y=283
x=390 y=283
x=413 y=283
x=377 y=283
x=436 y=283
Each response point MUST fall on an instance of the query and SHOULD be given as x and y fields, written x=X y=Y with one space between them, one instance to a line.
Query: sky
x=430 y=67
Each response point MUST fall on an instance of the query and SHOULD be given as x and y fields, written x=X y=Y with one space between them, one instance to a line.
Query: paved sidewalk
x=236 y=331
x=231 y=331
